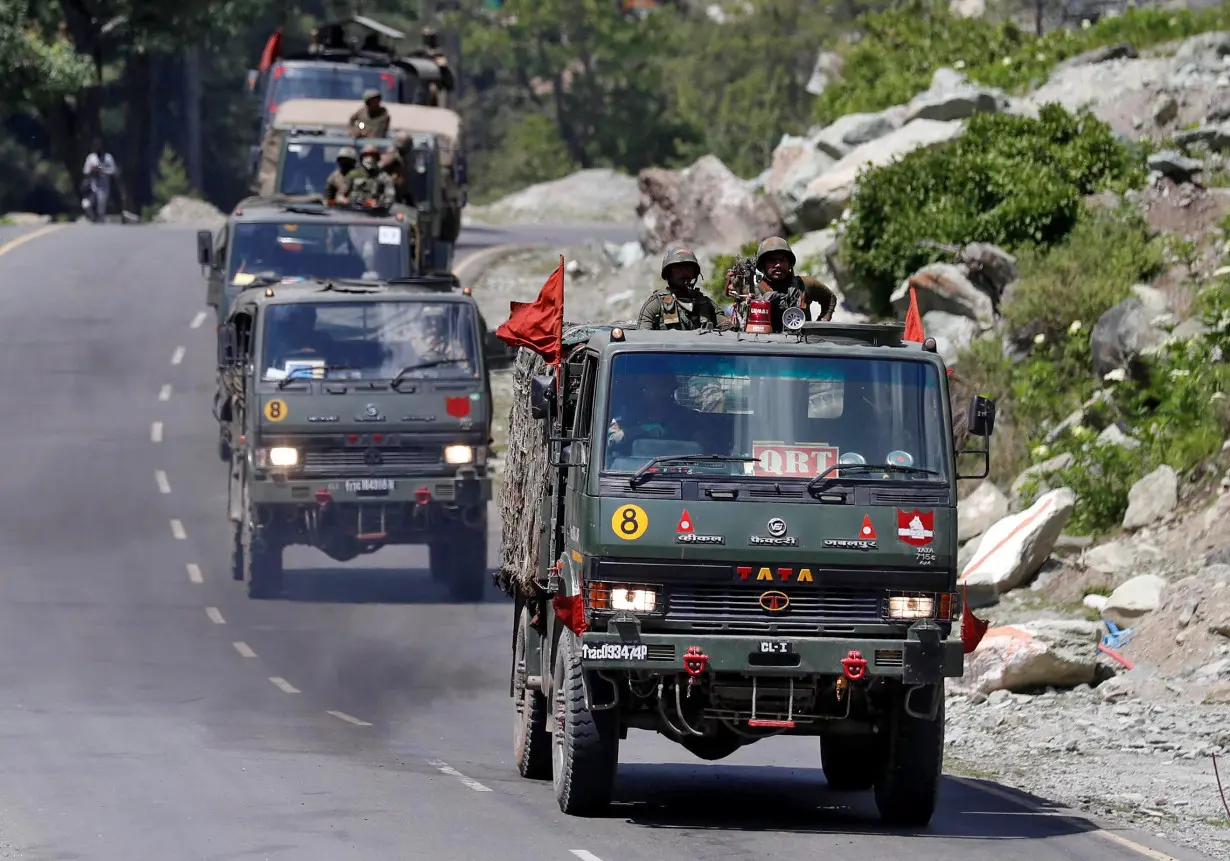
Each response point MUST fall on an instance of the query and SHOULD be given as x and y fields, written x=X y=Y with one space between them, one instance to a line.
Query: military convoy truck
x=723 y=538
x=361 y=415
x=300 y=148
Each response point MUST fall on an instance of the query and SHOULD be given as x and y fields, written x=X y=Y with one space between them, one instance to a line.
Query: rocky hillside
x=1092 y=298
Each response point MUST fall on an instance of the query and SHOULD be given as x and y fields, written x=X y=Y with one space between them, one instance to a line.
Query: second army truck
x=724 y=538
x=361 y=415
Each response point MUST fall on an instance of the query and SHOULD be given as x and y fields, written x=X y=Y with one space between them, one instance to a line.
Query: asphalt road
x=149 y=710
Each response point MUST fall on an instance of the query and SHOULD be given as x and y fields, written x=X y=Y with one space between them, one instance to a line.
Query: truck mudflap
x=912 y=661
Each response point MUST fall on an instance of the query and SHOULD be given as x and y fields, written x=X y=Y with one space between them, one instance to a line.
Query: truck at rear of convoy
x=724 y=538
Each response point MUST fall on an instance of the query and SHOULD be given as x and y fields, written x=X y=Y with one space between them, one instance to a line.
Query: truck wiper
x=421 y=365
x=311 y=373
x=814 y=484
x=647 y=471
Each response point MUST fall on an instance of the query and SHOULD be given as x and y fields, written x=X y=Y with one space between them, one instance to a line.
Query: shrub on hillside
x=902 y=47
x=1009 y=180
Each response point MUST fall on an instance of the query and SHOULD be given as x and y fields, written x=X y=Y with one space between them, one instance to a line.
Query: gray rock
x=1154 y=300
x=1121 y=334
x=826 y=70
x=1215 y=137
x=992 y=265
x=1135 y=598
x=944 y=287
x=981 y=510
x=1031 y=655
x=1205 y=50
x=1118 y=688
x=1121 y=51
x=1152 y=498
x=1115 y=558
x=959 y=330
x=1113 y=435
x=854 y=130
x=1175 y=165
x=1165 y=109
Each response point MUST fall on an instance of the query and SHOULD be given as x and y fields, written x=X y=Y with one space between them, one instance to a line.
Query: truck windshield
x=306 y=166
x=795 y=415
x=330 y=81
x=315 y=250
x=370 y=340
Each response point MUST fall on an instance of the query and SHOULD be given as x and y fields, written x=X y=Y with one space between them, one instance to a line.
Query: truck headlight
x=456 y=454
x=633 y=599
x=911 y=607
x=283 y=456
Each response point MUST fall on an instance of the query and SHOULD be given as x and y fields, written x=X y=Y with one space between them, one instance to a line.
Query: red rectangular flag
x=913 y=320
x=539 y=325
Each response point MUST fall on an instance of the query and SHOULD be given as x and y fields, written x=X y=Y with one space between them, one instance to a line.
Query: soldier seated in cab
x=336 y=184
x=682 y=305
x=782 y=287
x=367 y=184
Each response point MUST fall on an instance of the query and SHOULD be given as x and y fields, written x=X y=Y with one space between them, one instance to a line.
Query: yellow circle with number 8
x=629 y=522
x=275 y=410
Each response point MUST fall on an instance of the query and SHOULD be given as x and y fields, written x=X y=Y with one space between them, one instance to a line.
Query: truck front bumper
x=464 y=490
x=913 y=661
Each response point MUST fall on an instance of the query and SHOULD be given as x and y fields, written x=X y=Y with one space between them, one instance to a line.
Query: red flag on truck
x=273 y=50
x=913 y=320
x=539 y=325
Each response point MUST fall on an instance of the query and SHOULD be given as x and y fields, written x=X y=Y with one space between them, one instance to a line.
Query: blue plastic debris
x=1116 y=637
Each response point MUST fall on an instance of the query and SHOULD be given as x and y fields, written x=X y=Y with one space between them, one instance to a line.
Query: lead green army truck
x=361 y=418
x=724 y=538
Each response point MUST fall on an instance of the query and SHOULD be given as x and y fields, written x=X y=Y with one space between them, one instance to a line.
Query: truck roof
x=280 y=207
x=328 y=114
x=442 y=288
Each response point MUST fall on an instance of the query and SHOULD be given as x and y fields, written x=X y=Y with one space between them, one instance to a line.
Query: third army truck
x=361 y=418
x=724 y=538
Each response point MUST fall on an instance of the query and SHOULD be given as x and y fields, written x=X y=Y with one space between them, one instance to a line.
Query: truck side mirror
x=228 y=350
x=253 y=77
x=497 y=353
x=204 y=247
x=542 y=396
x=981 y=416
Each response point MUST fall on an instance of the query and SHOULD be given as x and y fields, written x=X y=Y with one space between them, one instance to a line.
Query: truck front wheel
x=585 y=749
x=262 y=560
x=913 y=763
x=531 y=741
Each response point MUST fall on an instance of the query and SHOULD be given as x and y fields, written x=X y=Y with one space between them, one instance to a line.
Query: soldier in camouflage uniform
x=682 y=305
x=335 y=185
x=785 y=289
x=372 y=120
x=367 y=183
x=392 y=163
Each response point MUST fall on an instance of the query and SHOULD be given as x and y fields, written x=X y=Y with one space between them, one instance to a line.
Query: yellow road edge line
x=22 y=240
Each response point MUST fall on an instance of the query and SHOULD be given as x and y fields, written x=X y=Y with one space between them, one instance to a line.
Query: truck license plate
x=776 y=647
x=614 y=652
x=370 y=485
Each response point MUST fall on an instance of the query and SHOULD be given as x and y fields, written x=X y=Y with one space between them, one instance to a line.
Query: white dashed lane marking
x=177 y=529
x=164 y=486
x=243 y=649
x=197 y=320
x=155 y=432
x=445 y=768
x=284 y=685
x=164 y=393
x=585 y=855
x=177 y=356
x=349 y=718
x=194 y=573
x=215 y=615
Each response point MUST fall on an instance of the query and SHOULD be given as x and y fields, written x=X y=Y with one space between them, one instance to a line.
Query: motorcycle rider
x=785 y=289
x=682 y=305
x=96 y=186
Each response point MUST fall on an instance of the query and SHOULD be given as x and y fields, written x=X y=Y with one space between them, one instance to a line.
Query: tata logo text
x=774 y=602
x=779 y=575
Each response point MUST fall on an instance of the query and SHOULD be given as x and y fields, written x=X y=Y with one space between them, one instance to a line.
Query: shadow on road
x=797 y=800
x=371 y=586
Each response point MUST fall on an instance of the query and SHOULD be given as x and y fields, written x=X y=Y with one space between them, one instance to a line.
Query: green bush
x=1008 y=180
x=1082 y=278
x=901 y=49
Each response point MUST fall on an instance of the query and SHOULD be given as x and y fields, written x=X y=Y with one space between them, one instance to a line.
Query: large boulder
x=1013 y=550
x=704 y=205
x=1134 y=598
x=827 y=196
x=981 y=510
x=1034 y=655
x=790 y=150
x=789 y=190
x=944 y=287
x=853 y=130
x=1123 y=333
x=952 y=97
x=1152 y=498
x=1204 y=51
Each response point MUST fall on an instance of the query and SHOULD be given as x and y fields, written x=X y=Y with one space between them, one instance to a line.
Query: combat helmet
x=677 y=254
x=771 y=245
x=347 y=152
x=369 y=149
x=368 y=95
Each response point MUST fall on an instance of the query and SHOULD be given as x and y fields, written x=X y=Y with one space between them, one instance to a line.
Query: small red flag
x=972 y=628
x=539 y=325
x=273 y=50
x=913 y=320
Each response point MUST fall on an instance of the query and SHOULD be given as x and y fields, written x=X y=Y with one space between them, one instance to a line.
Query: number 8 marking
x=275 y=410
x=629 y=522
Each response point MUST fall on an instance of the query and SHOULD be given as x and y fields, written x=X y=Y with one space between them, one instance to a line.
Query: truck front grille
x=722 y=608
x=339 y=461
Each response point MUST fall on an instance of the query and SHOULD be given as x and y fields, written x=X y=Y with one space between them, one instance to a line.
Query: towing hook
x=695 y=661
x=854 y=665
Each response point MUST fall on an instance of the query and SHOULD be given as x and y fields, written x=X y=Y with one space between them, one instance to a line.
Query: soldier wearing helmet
x=392 y=163
x=682 y=305
x=335 y=185
x=371 y=120
x=367 y=183
x=775 y=261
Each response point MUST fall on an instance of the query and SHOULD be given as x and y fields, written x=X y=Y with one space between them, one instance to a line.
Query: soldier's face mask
x=370 y=162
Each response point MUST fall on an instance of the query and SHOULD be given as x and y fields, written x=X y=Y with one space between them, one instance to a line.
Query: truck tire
x=531 y=741
x=467 y=563
x=585 y=747
x=262 y=562
x=237 y=567
x=850 y=763
x=913 y=764
x=450 y=224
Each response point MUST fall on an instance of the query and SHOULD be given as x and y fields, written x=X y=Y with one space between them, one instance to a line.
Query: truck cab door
x=579 y=451
x=217 y=272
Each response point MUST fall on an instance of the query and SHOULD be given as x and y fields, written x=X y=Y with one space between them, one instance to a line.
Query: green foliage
x=1085 y=276
x=903 y=47
x=172 y=178
x=36 y=66
x=1008 y=180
